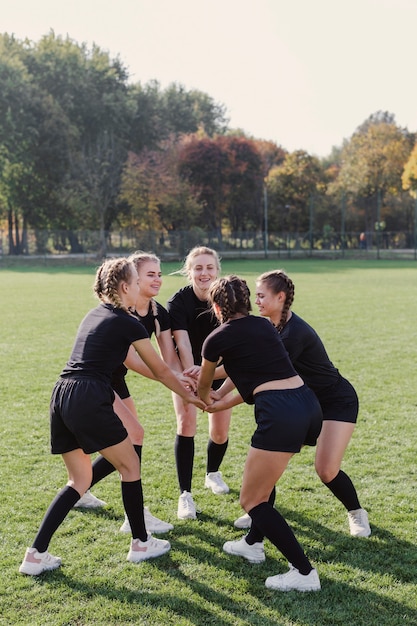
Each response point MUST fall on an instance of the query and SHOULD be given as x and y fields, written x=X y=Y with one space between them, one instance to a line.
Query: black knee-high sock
x=54 y=516
x=102 y=467
x=132 y=497
x=342 y=487
x=215 y=454
x=255 y=535
x=276 y=529
x=184 y=458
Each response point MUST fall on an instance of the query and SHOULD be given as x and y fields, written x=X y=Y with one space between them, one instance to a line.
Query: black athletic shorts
x=82 y=416
x=287 y=419
x=339 y=402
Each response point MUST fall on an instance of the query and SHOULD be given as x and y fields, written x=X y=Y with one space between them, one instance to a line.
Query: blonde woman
x=192 y=321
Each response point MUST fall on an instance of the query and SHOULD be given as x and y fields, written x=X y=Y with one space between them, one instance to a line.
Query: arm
x=135 y=363
x=167 y=350
x=162 y=372
x=205 y=380
x=185 y=351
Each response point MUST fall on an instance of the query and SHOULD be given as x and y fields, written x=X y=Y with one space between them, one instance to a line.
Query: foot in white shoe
x=359 y=523
x=150 y=549
x=36 y=562
x=152 y=524
x=215 y=482
x=294 y=581
x=186 y=506
x=253 y=554
x=89 y=501
x=245 y=521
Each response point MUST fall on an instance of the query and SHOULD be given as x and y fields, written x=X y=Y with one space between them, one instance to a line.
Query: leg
x=219 y=424
x=184 y=455
x=263 y=469
x=331 y=445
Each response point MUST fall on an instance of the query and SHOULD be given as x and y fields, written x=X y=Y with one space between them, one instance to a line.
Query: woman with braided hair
x=337 y=397
x=83 y=420
x=287 y=415
x=156 y=320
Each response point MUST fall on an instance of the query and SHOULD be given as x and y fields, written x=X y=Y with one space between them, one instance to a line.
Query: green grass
x=365 y=312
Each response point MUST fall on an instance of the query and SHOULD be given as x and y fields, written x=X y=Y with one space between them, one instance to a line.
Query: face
x=269 y=304
x=203 y=272
x=150 y=279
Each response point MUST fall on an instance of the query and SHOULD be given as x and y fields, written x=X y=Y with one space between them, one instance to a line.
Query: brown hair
x=138 y=258
x=108 y=278
x=276 y=281
x=232 y=295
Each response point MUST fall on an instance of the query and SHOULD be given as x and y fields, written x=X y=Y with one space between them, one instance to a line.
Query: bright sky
x=302 y=73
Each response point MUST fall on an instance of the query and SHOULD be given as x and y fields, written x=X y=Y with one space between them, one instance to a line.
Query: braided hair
x=232 y=295
x=276 y=281
x=108 y=278
x=138 y=258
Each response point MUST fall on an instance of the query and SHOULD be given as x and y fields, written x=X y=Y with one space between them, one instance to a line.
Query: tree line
x=83 y=148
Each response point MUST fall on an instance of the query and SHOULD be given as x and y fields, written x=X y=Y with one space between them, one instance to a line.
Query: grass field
x=365 y=311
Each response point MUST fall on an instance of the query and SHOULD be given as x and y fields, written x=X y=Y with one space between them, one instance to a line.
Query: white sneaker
x=294 y=581
x=144 y=550
x=245 y=521
x=36 y=562
x=358 y=523
x=186 y=506
x=215 y=482
x=89 y=501
x=152 y=523
x=253 y=554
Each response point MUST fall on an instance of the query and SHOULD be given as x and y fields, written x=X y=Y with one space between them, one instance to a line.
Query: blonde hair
x=138 y=258
x=193 y=253
x=276 y=281
x=108 y=278
x=232 y=295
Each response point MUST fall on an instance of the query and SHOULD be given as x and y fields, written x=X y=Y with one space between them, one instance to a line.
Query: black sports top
x=195 y=316
x=102 y=342
x=252 y=353
x=308 y=354
x=118 y=378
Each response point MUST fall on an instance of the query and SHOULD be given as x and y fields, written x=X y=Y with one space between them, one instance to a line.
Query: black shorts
x=82 y=416
x=339 y=402
x=287 y=419
x=120 y=387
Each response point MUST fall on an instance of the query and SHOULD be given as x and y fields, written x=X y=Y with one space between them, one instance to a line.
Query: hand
x=217 y=405
x=193 y=371
x=189 y=383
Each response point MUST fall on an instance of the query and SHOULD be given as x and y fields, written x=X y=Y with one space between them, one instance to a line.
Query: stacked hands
x=189 y=379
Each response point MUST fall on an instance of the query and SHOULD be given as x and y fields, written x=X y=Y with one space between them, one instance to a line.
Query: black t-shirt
x=148 y=321
x=195 y=316
x=308 y=354
x=102 y=342
x=252 y=353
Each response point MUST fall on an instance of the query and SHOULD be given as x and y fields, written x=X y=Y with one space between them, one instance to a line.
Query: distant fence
x=174 y=245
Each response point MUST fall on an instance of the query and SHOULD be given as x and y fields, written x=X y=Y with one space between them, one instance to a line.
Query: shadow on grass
x=238 y=592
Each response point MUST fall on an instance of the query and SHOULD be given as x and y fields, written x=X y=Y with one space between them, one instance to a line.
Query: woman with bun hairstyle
x=337 y=397
x=287 y=416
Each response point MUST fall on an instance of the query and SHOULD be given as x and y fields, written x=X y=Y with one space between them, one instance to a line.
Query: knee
x=326 y=473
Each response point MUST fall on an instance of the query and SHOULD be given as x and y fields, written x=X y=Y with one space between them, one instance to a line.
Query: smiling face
x=150 y=279
x=269 y=304
x=202 y=273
